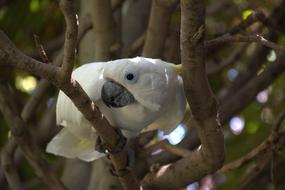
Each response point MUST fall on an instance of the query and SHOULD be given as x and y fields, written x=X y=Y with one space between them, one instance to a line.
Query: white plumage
x=159 y=102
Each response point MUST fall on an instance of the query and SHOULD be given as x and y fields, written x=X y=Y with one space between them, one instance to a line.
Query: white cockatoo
x=132 y=94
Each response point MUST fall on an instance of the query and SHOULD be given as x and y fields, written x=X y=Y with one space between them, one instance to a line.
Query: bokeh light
x=193 y=186
x=252 y=127
x=237 y=125
x=34 y=5
x=262 y=96
x=272 y=56
x=232 y=74
x=246 y=13
x=26 y=83
x=50 y=101
x=266 y=115
x=207 y=183
x=176 y=136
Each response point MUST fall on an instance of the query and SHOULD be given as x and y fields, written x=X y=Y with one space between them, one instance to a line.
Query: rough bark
x=158 y=27
x=210 y=156
x=104 y=27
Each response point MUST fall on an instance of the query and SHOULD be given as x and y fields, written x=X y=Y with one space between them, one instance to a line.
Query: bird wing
x=77 y=138
x=68 y=145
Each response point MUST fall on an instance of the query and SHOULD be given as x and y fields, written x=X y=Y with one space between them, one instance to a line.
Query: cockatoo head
x=138 y=80
x=139 y=87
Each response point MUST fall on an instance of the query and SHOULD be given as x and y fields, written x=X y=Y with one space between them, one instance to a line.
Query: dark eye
x=131 y=77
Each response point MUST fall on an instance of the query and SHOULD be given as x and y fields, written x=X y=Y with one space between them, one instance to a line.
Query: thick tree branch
x=158 y=27
x=210 y=156
x=103 y=26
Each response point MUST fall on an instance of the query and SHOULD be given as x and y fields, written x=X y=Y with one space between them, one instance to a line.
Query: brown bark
x=103 y=26
x=158 y=27
x=210 y=156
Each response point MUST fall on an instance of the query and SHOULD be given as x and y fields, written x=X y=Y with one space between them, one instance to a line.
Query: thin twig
x=272 y=171
x=242 y=38
x=253 y=173
x=262 y=149
x=41 y=49
x=227 y=62
x=255 y=16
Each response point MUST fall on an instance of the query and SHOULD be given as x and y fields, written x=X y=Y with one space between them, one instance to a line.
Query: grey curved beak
x=115 y=95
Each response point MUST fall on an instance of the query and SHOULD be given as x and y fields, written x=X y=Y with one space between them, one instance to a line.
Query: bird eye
x=131 y=77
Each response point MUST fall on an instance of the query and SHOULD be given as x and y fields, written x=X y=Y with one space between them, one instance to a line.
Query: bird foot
x=129 y=164
x=119 y=173
x=103 y=147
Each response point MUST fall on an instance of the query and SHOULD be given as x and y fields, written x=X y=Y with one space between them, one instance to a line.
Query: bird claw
x=120 y=173
x=129 y=164
x=103 y=147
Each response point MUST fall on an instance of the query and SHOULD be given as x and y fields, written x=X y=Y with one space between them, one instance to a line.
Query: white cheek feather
x=148 y=104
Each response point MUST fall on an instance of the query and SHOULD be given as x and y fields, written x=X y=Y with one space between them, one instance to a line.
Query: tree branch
x=158 y=27
x=210 y=156
x=103 y=26
x=70 y=39
x=242 y=38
